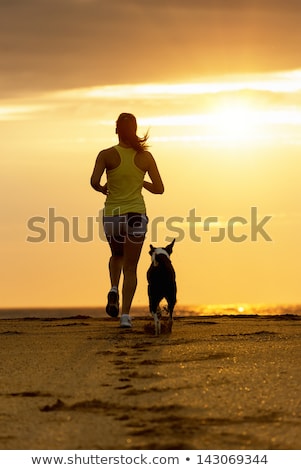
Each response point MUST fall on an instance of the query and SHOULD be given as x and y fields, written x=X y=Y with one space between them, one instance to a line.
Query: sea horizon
x=201 y=310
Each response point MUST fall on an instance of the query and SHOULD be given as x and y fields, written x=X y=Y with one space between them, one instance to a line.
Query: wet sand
x=213 y=383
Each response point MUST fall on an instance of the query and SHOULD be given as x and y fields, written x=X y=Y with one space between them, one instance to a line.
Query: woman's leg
x=115 y=268
x=131 y=255
x=114 y=227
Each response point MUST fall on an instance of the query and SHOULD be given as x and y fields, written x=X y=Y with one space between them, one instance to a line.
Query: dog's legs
x=170 y=323
x=170 y=320
x=170 y=308
x=157 y=320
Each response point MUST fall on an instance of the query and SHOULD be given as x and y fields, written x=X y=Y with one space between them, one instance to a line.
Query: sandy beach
x=226 y=382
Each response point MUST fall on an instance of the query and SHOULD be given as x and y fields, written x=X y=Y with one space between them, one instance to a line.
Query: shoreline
x=234 y=310
x=219 y=382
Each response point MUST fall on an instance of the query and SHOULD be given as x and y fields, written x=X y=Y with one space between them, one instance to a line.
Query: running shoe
x=125 y=321
x=112 y=307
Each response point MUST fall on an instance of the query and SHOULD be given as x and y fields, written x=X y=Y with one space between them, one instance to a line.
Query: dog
x=161 y=279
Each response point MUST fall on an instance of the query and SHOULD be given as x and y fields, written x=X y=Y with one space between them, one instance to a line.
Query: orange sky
x=221 y=97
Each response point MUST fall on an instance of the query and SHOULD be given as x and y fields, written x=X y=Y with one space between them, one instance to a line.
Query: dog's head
x=166 y=251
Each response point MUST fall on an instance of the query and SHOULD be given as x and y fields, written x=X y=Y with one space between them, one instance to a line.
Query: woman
x=125 y=220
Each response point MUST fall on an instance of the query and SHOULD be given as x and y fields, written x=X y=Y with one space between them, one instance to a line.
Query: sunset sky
x=218 y=85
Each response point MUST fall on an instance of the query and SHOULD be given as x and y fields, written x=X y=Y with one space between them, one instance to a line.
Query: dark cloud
x=49 y=44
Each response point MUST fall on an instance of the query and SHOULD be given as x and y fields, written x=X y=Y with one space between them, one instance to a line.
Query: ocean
x=180 y=311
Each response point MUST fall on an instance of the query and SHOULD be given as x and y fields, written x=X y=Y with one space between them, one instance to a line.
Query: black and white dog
x=161 y=279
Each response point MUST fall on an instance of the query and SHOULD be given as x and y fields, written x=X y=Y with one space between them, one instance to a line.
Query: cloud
x=74 y=43
x=272 y=99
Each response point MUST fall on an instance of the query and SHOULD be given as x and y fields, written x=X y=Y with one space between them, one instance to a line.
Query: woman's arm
x=99 y=168
x=156 y=185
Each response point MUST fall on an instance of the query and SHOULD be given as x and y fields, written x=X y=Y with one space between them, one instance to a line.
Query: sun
x=235 y=122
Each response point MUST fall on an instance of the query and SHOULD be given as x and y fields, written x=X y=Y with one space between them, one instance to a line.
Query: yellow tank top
x=125 y=183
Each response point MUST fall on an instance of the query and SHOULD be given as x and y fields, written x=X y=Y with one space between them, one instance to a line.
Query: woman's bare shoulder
x=146 y=155
x=143 y=159
x=107 y=152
